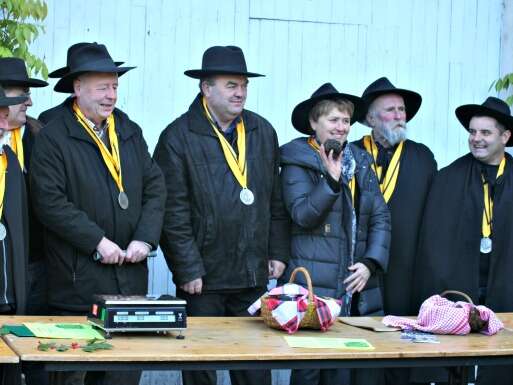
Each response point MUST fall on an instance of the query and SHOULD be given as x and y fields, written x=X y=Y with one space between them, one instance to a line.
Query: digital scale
x=138 y=313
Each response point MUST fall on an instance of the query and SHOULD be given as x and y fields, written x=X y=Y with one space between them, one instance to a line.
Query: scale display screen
x=124 y=317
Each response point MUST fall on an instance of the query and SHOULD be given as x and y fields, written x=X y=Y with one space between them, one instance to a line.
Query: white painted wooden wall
x=447 y=50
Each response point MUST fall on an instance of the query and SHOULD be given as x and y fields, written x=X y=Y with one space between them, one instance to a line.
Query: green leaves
x=20 y=25
x=91 y=346
x=503 y=84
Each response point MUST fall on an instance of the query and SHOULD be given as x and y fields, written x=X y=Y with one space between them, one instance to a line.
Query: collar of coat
x=75 y=130
x=200 y=124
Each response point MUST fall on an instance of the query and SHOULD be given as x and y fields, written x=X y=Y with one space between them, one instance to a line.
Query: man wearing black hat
x=53 y=112
x=405 y=170
x=225 y=228
x=97 y=192
x=13 y=218
x=467 y=233
x=22 y=130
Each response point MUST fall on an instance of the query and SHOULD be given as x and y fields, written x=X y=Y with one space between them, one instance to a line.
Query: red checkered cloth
x=289 y=312
x=438 y=315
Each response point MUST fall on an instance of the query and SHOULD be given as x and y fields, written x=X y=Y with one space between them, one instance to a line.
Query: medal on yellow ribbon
x=387 y=182
x=236 y=163
x=486 y=243
x=111 y=159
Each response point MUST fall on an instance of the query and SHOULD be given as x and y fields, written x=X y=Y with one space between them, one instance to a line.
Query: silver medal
x=3 y=232
x=246 y=196
x=123 y=200
x=486 y=245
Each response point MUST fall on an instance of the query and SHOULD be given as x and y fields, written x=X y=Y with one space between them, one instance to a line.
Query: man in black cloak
x=467 y=233
x=405 y=170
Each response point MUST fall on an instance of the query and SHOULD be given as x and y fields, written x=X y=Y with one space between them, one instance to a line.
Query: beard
x=392 y=135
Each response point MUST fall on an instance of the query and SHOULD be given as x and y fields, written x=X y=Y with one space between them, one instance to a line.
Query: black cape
x=15 y=217
x=449 y=248
x=451 y=233
x=418 y=167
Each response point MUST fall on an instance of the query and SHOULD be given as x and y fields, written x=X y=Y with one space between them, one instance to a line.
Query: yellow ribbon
x=3 y=171
x=389 y=182
x=111 y=159
x=236 y=163
x=352 y=182
x=488 y=202
x=17 y=146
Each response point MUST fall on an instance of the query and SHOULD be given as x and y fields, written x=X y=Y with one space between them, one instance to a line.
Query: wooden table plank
x=7 y=356
x=248 y=339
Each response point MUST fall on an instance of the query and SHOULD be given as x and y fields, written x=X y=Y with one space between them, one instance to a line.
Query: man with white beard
x=404 y=170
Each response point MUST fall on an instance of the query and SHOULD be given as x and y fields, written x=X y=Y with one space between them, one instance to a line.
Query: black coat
x=321 y=235
x=15 y=217
x=449 y=244
x=451 y=233
x=417 y=169
x=208 y=232
x=75 y=198
x=36 y=252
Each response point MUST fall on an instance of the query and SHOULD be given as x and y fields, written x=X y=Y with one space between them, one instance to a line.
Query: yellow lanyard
x=3 y=171
x=112 y=160
x=352 y=182
x=17 y=146
x=388 y=184
x=236 y=163
x=488 y=202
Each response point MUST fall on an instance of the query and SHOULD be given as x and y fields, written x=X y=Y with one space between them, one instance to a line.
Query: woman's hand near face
x=332 y=165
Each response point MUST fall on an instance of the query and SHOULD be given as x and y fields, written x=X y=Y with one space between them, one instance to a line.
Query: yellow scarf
x=388 y=184
x=352 y=183
x=3 y=171
x=236 y=163
x=111 y=159
x=488 y=202
x=17 y=146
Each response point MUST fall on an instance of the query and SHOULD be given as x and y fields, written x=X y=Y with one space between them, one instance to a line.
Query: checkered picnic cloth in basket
x=289 y=313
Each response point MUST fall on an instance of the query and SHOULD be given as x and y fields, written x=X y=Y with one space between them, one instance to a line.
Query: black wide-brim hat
x=6 y=101
x=13 y=72
x=300 y=114
x=220 y=60
x=91 y=57
x=382 y=86
x=492 y=107
x=60 y=72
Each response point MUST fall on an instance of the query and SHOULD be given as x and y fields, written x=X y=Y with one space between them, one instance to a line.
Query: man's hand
x=358 y=279
x=136 y=251
x=193 y=287
x=110 y=252
x=276 y=269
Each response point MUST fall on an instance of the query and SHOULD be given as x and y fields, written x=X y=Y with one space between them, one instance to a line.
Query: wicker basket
x=310 y=319
x=475 y=321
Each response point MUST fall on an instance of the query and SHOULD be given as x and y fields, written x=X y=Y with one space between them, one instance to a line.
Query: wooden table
x=246 y=343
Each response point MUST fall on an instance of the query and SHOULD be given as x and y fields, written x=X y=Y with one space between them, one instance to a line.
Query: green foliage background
x=503 y=84
x=20 y=24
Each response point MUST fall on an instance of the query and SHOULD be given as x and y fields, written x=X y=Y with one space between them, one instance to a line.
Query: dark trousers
x=223 y=304
x=320 y=377
x=37 y=304
x=129 y=377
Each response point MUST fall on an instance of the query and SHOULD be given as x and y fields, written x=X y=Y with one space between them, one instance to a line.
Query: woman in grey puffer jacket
x=340 y=222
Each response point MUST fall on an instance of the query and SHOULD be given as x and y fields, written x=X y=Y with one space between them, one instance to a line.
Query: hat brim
x=36 y=83
x=6 y=101
x=60 y=72
x=200 y=74
x=466 y=112
x=65 y=84
x=412 y=101
x=300 y=114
